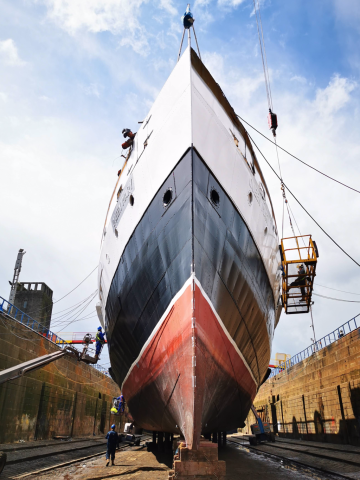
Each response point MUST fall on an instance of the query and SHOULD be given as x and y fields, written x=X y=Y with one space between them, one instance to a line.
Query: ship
x=189 y=277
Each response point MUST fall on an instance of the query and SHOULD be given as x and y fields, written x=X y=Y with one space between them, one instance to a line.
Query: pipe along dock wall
x=318 y=398
x=66 y=397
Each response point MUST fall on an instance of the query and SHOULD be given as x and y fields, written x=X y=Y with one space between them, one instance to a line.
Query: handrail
x=35 y=326
x=317 y=346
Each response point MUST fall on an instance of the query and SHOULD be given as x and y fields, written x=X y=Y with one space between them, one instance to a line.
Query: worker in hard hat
x=100 y=340
x=112 y=442
x=300 y=281
x=121 y=407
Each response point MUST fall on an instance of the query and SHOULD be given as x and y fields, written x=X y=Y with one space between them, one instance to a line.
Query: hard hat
x=99 y=328
x=113 y=426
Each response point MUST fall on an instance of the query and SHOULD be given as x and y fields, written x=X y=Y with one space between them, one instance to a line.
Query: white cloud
x=335 y=96
x=230 y=3
x=92 y=90
x=120 y=17
x=299 y=78
x=168 y=6
x=9 y=53
x=231 y=80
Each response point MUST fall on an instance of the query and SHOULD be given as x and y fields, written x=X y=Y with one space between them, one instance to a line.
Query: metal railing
x=35 y=326
x=332 y=337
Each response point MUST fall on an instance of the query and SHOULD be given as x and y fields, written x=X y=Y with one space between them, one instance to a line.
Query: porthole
x=167 y=198
x=265 y=231
x=250 y=197
x=131 y=200
x=214 y=197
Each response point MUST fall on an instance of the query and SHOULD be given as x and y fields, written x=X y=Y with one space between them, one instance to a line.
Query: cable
x=296 y=158
x=66 y=315
x=337 y=299
x=40 y=309
x=343 y=291
x=76 y=286
x=344 y=251
x=75 y=305
x=262 y=47
x=71 y=321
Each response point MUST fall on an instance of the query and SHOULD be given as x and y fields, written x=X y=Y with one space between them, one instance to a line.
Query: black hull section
x=157 y=262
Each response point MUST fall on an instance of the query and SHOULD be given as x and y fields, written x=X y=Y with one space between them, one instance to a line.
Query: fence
x=315 y=347
x=37 y=327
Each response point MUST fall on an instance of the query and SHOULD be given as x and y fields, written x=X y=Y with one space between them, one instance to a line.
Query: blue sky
x=75 y=72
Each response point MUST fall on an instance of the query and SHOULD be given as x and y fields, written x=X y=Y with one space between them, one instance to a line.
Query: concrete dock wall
x=317 y=399
x=66 y=397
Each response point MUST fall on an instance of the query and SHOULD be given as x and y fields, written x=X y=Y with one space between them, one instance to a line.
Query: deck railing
x=35 y=326
x=332 y=337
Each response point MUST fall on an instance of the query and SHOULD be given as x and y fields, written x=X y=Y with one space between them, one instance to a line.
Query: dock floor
x=294 y=460
x=140 y=464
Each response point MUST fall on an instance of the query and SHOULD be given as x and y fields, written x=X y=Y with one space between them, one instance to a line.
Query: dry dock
x=280 y=461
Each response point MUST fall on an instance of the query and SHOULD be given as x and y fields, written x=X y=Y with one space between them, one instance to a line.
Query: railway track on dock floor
x=27 y=461
x=335 y=463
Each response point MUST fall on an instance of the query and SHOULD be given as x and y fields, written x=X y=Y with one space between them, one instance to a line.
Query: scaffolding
x=298 y=264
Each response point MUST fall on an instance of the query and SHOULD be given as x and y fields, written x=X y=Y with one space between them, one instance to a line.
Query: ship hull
x=190 y=311
x=190 y=378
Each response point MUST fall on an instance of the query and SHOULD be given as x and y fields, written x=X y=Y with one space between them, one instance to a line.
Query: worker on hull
x=112 y=442
x=121 y=408
x=100 y=340
x=300 y=281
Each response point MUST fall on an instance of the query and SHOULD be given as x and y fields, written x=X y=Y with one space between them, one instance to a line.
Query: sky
x=74 y=73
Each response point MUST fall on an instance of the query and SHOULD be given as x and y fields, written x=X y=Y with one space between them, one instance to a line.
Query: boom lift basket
x=297 y=288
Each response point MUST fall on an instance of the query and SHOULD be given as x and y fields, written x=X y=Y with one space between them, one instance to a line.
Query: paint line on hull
x=166 y=313
x=157 y=327
x=225 y=330
x=212 y=393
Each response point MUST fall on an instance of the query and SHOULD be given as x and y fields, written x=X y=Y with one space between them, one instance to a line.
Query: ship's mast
x=188 y=22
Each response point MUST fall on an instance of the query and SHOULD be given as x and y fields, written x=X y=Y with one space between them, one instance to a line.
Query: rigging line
x=282 y=227
x=71 y=321
x=296 y=158
x=293 y=216
x=77 y=320
x=75 y=315
x=343 y=291
x=40 y=309
x=263 y=40
x=72 y=307
x=337 y=299
x=302 y=206
x=76 y=286
x=262 y=57
x=73 y=310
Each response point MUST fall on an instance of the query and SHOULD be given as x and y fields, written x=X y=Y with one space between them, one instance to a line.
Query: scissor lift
x=294 y=252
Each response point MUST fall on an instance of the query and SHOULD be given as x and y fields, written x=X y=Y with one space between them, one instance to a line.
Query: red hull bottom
x=190 y=377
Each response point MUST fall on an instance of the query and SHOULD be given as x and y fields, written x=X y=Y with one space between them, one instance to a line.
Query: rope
x=337 y=299
x=302 y=206
x=343 y=291
x=262 y=47
x=296 y=158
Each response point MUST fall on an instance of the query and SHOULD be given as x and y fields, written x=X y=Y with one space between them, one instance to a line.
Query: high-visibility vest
x=99 y=339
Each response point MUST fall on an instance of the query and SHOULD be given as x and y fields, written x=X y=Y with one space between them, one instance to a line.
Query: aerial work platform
x=298 y=264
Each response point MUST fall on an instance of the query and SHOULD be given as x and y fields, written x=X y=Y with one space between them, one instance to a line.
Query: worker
x=112 y=442
x=100 y=340
x=121 y=407
x=300 y=281
x=114 y=410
